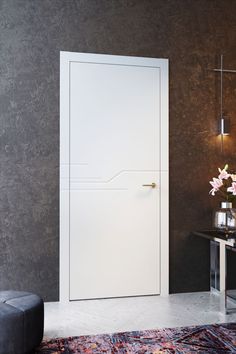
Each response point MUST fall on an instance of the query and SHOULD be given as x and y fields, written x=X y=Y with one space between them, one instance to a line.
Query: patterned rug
x=198 y=339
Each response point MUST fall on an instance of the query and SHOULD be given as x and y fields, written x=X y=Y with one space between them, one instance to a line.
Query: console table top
x=216 y=235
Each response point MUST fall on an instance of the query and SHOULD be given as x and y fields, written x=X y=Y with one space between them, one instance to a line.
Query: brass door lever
x=153 y=185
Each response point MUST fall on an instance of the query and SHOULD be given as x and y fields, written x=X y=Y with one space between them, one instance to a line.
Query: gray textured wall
x=32 y=32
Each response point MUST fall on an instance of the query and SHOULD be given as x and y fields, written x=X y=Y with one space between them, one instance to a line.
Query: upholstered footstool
x=21 y=322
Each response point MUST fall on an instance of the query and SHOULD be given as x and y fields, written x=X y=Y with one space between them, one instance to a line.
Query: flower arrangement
x=225 y=184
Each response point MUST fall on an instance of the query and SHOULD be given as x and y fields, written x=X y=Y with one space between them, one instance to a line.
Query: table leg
x=229 y=294
x=215 y=266
x=222 y=266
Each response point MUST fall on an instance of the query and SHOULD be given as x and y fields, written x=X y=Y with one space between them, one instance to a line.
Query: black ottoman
x=21 y=322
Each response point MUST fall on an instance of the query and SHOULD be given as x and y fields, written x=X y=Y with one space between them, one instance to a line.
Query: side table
x=220 y=242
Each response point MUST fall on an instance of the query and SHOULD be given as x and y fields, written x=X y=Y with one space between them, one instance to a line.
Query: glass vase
x=224 y=219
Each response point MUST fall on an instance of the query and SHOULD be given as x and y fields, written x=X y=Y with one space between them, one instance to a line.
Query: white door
x=114 y=119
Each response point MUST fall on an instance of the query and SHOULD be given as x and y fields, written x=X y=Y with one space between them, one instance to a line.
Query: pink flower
x=216 y=184
x=232 y=189
x=233 y=176
x=213 y=191
x=223 y=173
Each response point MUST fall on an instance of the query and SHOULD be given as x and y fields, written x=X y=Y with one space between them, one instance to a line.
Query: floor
x=126 y=314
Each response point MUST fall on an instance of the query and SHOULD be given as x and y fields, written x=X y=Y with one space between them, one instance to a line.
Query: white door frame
x=65 y=59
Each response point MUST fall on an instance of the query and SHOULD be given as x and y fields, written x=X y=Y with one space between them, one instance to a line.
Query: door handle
x=153 y=185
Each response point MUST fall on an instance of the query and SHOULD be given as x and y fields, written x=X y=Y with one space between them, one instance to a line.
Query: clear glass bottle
x=224 y=219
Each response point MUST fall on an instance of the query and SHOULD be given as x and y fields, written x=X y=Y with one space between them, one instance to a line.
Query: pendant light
x=223 y=122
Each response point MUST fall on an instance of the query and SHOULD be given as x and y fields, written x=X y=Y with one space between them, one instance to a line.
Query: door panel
x=114 y=150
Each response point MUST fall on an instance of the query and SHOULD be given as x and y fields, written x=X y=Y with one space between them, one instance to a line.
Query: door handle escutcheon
x=153 y=185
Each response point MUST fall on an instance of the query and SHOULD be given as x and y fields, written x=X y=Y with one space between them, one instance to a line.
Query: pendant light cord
x=221 y=86
x=221 y=99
